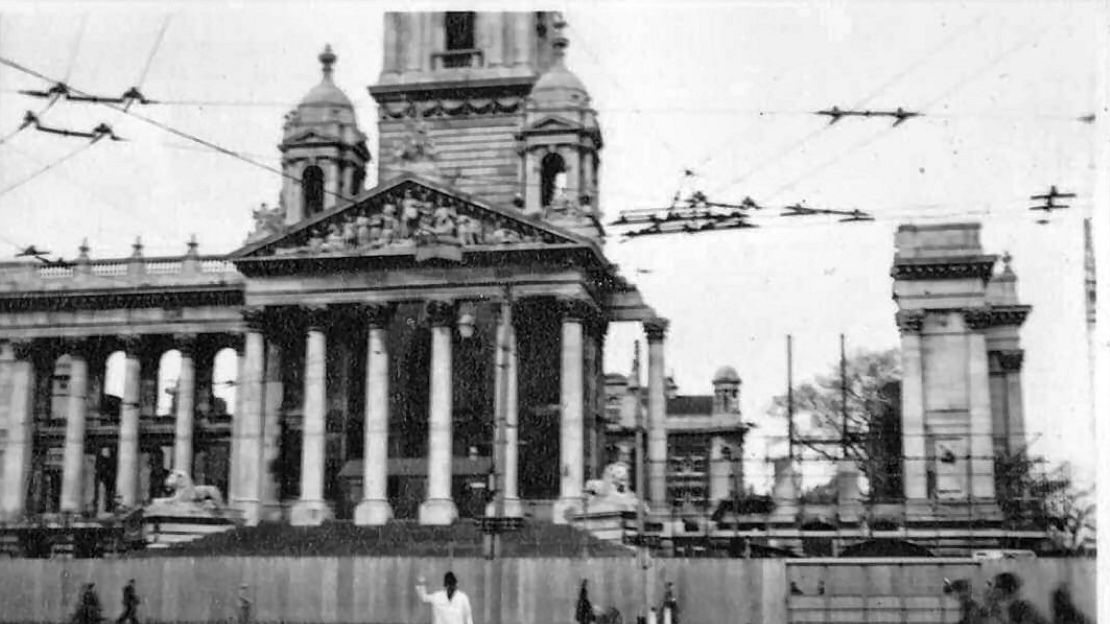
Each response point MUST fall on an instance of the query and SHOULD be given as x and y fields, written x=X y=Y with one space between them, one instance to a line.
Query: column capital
x=185 y=343
x=378 y=315
x=656 y=329
x=75 y=347
x=576 y=310
x=910 y=321
x=977 y=319
x=254 y=317
x=1008 y=360
x=441 y=312
x=316 y=315
x=22 y=348
x=132 y=345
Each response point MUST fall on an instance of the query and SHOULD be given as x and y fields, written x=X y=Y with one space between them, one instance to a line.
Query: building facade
x=373 y=337
x=705 y=437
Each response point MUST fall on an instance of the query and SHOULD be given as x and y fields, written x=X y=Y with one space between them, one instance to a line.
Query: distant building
x=705 y=436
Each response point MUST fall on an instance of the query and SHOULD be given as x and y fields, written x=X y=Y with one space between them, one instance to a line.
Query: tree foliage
x=1035 y=496
x=864 y=407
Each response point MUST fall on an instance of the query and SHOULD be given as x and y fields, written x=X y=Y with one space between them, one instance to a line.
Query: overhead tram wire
x=168 y=128
x=874 y=93
x=885 y=131
x=153 y=51
x=44 y=169
x=69 y=71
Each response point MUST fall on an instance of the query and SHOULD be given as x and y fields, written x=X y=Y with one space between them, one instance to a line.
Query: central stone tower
x=453 y=93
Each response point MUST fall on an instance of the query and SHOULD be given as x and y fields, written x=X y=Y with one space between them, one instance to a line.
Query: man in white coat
x=449 y=606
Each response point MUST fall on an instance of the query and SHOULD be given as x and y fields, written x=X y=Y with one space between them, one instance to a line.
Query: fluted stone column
x=438 y=507
x=17 y=445
x=374 y=509
x=979 y=407
x=73 y=459
x=913 y=409
x=185 y=416
x=312 y=509
x=127 y=460
x=512 y=504
x=571 y=424
x=272 y=396
x=656 y=330
x=250 y=417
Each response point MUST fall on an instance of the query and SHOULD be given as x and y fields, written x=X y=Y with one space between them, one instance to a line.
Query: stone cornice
x=1011 y=315
x=960 y=267
x=976 y=319
x=151 y=297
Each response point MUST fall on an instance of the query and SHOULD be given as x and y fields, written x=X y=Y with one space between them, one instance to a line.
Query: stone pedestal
x=310 y=513
x=785 y=493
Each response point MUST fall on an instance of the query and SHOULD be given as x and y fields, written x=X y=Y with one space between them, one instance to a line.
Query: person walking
x=130 y=604
x=243 y=610
x=88 y=609
x=449 y=605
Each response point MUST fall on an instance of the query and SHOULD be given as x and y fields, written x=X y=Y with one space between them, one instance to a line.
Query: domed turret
x=560 y=146
x=726 y=374
x=324 y=152
x=559 y=87
x=726 y=391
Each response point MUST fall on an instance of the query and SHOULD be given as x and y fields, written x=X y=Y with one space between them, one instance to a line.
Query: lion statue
x=186 y=493
x=613 y=487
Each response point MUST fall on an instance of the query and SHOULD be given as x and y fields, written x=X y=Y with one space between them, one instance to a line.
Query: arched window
x=459 y=27
x=225 y=374
x=169 y=372
x=312 y=185
x=553 y=178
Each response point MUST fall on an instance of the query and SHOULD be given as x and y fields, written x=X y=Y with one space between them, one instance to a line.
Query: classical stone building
x=705 y=436
x=375 y=336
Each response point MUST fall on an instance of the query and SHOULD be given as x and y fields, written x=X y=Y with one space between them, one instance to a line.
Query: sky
x=726 y=90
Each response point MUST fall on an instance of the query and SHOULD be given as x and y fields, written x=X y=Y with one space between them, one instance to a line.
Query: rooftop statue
x=267 y=222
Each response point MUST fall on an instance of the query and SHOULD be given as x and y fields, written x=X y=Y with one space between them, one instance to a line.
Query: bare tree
x=865 y=408
x=1034 y=495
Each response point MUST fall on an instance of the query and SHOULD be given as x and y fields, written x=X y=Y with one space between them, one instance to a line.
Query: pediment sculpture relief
x=409 y=216
x=267 y=222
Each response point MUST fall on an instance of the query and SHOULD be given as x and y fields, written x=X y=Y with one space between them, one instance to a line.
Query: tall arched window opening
x=553 y=178
x=169 y=372
x=225 y=373
x=312 y=185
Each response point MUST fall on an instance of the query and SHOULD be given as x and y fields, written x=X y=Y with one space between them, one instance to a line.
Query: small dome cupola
x=324 y=153
x=559 y=87
x=726 y=391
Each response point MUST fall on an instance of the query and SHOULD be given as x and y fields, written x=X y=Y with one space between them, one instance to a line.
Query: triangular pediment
x=411 y=215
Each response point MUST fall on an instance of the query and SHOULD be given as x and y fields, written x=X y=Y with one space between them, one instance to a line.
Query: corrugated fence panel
x=536 y=591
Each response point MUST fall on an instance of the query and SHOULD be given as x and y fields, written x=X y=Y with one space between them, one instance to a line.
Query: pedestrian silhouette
x=130 y=604
x=88 y=606
x=1007 y=605
x=1064 y=610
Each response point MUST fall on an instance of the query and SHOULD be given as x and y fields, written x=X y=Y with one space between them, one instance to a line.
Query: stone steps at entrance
x=399 y=538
